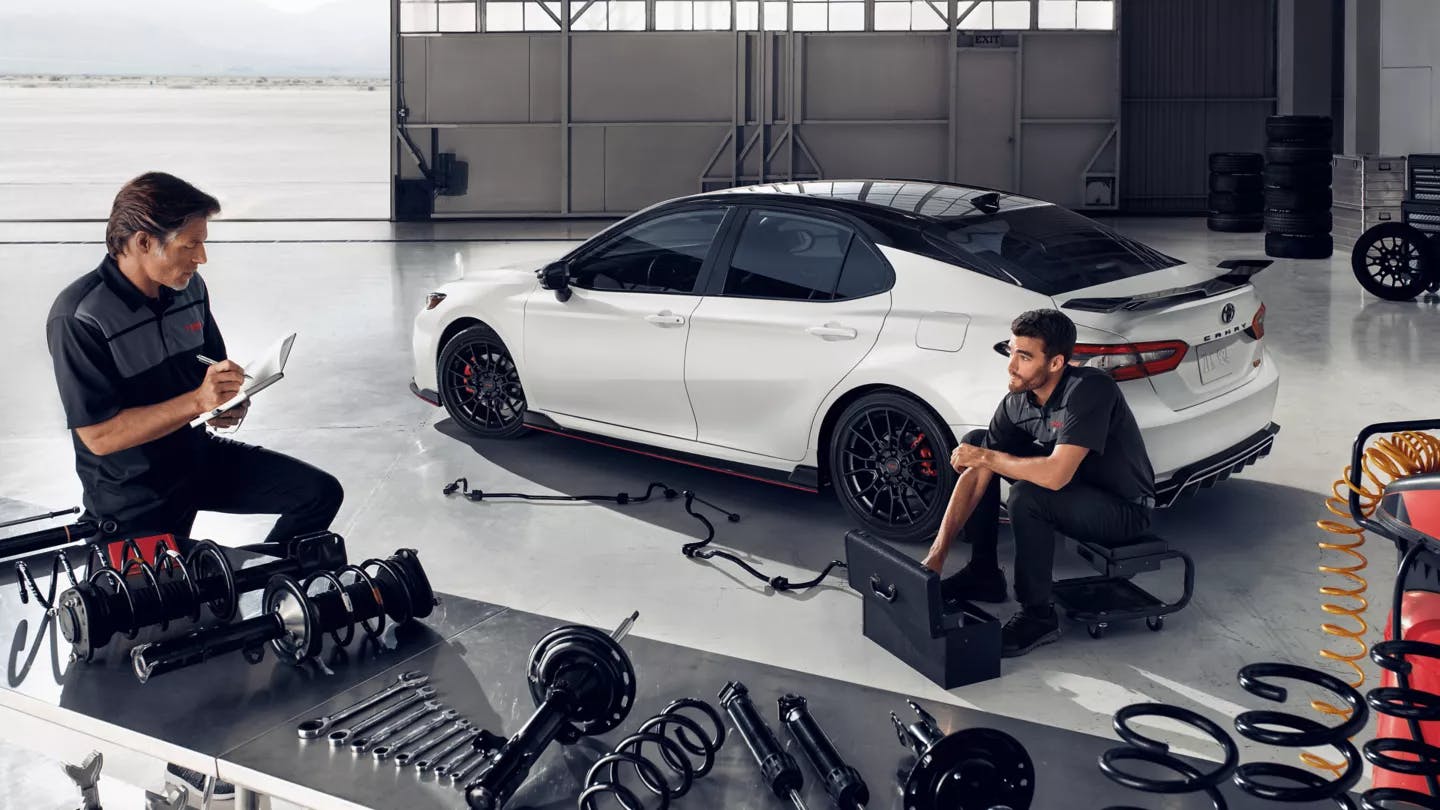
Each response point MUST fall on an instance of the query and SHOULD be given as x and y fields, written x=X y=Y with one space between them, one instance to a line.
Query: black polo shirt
x=115 y=348
x=1086 y=409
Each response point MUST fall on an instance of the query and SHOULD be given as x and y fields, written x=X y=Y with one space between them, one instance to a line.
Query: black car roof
x=905 y=199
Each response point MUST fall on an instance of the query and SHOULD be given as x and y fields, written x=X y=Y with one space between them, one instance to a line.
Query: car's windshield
x=1046 y=248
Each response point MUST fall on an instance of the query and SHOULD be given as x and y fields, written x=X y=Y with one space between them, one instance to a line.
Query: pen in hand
x=207 y=361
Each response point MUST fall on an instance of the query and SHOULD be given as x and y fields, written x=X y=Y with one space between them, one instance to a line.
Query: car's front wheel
x=890 y=466
x=480 y=385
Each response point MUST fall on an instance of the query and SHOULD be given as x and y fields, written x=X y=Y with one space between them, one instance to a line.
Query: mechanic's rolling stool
x=1112 y=597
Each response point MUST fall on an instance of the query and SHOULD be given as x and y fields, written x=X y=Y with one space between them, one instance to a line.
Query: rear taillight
x=1131 y=361
x=1257 y=326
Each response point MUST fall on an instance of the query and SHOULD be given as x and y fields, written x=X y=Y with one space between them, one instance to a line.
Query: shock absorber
x=843 y=783
x=583 y=684
x=39 y=540
x=778 y=767
x=972 y=769
x=295 y=622
x=110 y=602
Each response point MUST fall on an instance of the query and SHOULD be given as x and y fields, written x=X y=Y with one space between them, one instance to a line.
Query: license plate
x=1216 y=362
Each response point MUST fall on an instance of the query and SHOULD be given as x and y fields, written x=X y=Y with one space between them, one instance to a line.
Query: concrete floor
x=1346 y=359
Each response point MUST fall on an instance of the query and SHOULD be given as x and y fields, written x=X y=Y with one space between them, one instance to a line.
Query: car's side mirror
x=556 y=276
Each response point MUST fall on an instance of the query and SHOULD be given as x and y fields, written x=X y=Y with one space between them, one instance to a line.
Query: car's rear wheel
x=890 y=466
x=480 y=385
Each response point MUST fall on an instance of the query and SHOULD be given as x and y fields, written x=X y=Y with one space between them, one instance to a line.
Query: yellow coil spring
x=1399 y=456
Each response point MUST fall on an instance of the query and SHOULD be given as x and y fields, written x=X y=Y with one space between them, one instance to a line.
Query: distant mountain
x=177 y=37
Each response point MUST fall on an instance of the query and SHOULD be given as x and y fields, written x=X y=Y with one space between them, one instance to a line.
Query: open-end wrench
x=447 y=766
x=431 y=743
x=458 y=776
x=360 y=745
x=345 y=735
x=453 y=751
x=310 y=729
x=425 y=729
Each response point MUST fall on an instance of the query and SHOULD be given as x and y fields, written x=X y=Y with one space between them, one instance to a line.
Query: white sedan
x=844 y=334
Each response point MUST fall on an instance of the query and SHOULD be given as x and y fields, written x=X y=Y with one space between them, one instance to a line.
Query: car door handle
x=666 y=319
x=831 y=331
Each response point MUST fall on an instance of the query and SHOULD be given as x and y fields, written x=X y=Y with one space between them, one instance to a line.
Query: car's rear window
x=1046 y=248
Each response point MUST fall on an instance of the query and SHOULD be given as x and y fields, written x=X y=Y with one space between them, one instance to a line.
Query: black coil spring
x=681 y=741
x=25 y=581
x=1292 y=731
x=1145 y=749
x=344 y=634
x=1418 y=758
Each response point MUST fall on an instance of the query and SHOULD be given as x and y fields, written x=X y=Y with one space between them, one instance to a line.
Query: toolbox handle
x=887 y=593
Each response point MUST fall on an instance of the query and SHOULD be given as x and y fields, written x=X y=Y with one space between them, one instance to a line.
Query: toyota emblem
x=1227 y=314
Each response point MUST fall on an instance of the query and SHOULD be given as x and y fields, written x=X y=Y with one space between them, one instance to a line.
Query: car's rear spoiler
x=1241 y=270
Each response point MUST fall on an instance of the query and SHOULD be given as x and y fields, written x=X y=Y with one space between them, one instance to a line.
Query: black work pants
x=1037 y=514
x=242 y=479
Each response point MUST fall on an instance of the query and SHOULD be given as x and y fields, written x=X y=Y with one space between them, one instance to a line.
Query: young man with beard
x=1066 y=440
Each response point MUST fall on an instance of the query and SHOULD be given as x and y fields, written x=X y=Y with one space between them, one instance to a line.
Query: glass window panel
x=808 y=17
x=457 y=17
x=417 y=17
x=981 y=18
x=504 y=17
x=1057 y=14
x=1012 y=14
x=776 y=16
x=712 y=15
x=892 y=16
x=1096 y=15
x=747 y=15
x=847 y=16
x=673 y=15
x=593 y=18
x=627 y=15
x=537 y=20
x=927 y=16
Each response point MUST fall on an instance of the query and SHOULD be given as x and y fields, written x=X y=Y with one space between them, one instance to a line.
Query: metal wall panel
x=512 y=169
x=469 y=84
x=647 y=164
x=1199 y=77
x=876 y=77
x=1047 y=146
x=866 y=151
x=1069 y=76
x=627 y=77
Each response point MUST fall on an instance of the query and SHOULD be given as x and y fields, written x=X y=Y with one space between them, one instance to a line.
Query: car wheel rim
x=889 y=466
x=485 y=385
x=1393 y=262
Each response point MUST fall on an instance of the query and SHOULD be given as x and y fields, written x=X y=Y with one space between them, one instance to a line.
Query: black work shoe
x=1025 y=631
x=973 y=585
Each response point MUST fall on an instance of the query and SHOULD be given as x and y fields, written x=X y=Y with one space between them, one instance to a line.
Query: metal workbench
x=236 y=720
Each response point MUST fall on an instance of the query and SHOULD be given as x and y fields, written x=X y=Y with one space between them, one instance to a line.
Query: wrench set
x=406 y=724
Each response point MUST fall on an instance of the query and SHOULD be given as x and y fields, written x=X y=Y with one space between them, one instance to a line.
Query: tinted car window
x=1047 y=248
x=663 y=255
x=865 y=273
x=786 y=256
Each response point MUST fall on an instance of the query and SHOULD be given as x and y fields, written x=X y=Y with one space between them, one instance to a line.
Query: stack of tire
x=1237 y=200
x=1297 y=186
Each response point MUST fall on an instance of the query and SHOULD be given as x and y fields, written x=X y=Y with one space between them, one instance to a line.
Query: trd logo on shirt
x=1057 y=424
x=194 y=327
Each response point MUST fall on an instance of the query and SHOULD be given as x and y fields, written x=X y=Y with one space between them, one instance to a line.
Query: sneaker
x=974 y=585
x=1025 y=631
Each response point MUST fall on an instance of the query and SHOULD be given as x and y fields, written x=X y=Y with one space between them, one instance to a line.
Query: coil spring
x=689 y=741
x=1402 y=454
x=25 y=581
x=1419 y=757
x=1144 y=749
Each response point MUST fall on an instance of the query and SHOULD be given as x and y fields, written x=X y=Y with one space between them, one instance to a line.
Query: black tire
x=890 y=466
x=1288 y=199
x=1236 y=223
x=1313 y=223
x=1286 y=246
x=1394 y=261
x=1293 y=155
x=1236 y=183
x=1312 y=177
x=1222 y=203
x=480 y=385
x=1307 y=130
x=1236 y=162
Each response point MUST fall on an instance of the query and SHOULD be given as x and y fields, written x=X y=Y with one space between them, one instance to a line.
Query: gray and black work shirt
x=116 y=348
x=1088 y=410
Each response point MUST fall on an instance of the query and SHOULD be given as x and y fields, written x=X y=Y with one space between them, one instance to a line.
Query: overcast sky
x=196 y=37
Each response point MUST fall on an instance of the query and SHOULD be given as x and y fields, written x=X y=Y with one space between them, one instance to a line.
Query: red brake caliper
x=466 y=372
x=927 y=467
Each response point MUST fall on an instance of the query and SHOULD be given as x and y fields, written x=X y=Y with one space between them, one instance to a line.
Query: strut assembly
x=22 y=544
x=110 y=601
x=971 y=769
x=295 y=622
x=583 y=684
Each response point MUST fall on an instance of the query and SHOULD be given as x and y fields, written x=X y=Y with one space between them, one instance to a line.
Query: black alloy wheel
x=1394 y=261
x=890 y=465
x=480 y=385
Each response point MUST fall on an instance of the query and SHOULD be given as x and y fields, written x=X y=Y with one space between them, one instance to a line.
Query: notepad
x=261 y=374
